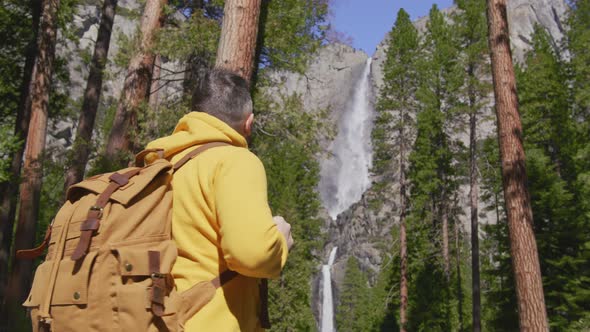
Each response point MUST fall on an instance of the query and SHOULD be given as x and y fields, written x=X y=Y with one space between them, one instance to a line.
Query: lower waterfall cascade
x=327 y=320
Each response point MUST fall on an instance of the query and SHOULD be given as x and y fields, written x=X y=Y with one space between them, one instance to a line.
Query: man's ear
x=248 y=124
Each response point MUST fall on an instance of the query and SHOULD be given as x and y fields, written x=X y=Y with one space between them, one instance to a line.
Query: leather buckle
x=97 y=209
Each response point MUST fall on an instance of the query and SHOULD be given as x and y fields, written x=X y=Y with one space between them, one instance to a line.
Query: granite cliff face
x=85 y=26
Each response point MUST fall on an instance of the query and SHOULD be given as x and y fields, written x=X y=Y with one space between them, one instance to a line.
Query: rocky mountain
x=364 y=232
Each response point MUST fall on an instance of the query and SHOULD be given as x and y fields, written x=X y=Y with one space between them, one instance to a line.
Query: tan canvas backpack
x=110 y=256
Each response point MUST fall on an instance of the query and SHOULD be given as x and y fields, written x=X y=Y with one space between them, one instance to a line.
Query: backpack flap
x=134 y=260
x=71 y=286
x=126 y=193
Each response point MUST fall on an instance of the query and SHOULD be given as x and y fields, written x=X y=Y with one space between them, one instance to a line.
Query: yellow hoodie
x=221 y=220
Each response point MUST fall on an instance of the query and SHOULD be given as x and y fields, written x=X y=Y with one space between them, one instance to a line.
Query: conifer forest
x=440 y=184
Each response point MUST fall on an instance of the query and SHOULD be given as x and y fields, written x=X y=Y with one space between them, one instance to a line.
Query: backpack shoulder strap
x=195 y=153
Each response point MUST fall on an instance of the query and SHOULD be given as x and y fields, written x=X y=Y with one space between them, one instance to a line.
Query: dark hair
x=225 y=95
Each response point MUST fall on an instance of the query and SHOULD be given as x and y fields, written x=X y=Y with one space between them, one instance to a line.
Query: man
x=221 y=218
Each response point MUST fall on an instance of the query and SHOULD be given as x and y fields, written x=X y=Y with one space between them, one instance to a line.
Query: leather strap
x=140 y=157
x=38 y=251
x=228 y=275
x=92 y=222
x=263 y=290
x=195 y=153
x=223 y=278
x=158 y=291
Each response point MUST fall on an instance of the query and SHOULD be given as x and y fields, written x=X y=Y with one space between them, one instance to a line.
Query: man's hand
x=285 y=229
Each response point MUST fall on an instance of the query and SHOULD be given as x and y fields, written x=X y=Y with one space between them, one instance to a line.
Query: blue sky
x=368 y=21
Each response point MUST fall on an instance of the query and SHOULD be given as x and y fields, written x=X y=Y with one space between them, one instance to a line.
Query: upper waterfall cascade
x=345 y=176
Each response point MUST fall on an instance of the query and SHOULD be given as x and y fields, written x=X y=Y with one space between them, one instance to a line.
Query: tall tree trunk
x=81 y=148
x=473 y=202
x=154 y=94
x=30 y=188
x=154 y=97
x=137 y=84
x=9 y=188
x=237 y=43
x=459 y=279
x=445 y=237
x=402 y=231
x=523 y=247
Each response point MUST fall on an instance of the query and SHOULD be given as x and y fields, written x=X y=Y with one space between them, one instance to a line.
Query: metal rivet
x=128 y=267
x=76 y=295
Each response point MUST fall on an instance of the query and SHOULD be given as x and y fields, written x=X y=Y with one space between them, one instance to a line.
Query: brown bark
x=9 y=189
x=473 y=202
x=523 y=247
x=154 y=97
x=459 y=279
x=30 y=188
x=402 y=231
x=445 y=239
x=137 y=83
x=237 y=43
x=154 y=94
x=81 y=148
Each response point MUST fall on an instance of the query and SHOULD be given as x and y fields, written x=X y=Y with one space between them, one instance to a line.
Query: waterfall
x=345 y=176
x=327 y=298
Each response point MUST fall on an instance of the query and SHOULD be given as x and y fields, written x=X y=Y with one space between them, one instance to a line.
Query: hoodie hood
x=195 y=128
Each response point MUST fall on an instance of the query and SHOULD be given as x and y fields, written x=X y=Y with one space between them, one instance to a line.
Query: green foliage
x=8 y=144
x=16 y=34
x=65 y=17
x=499 y=306
x=196 y=36
x=286 y=141
x=578 y=41
x=290 y=31
x=471 y=25
x=396 y=103
x=352 y=311
x=549 y=124
x=432 y=304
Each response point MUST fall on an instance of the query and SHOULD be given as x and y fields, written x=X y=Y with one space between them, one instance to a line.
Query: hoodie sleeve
x=250 y=241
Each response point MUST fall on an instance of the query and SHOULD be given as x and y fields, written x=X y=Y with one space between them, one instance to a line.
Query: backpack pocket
x=70 y=296
x=38 y=291
x=135 y=293
x=69 y=304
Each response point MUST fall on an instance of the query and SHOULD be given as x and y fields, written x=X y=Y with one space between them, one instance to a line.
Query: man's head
x=226 y=96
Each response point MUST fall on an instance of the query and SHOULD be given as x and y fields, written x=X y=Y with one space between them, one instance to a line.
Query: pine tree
x=396 y=107
x=82 y=143
x=30 y=188
x=135 y=91
x=499 y=294
x=351 y=314
x=287 y=146
x=471 y=22
x=578 y=40
x=548 y=125
x=529 y=288
x=16 y=111
x=433 y=180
